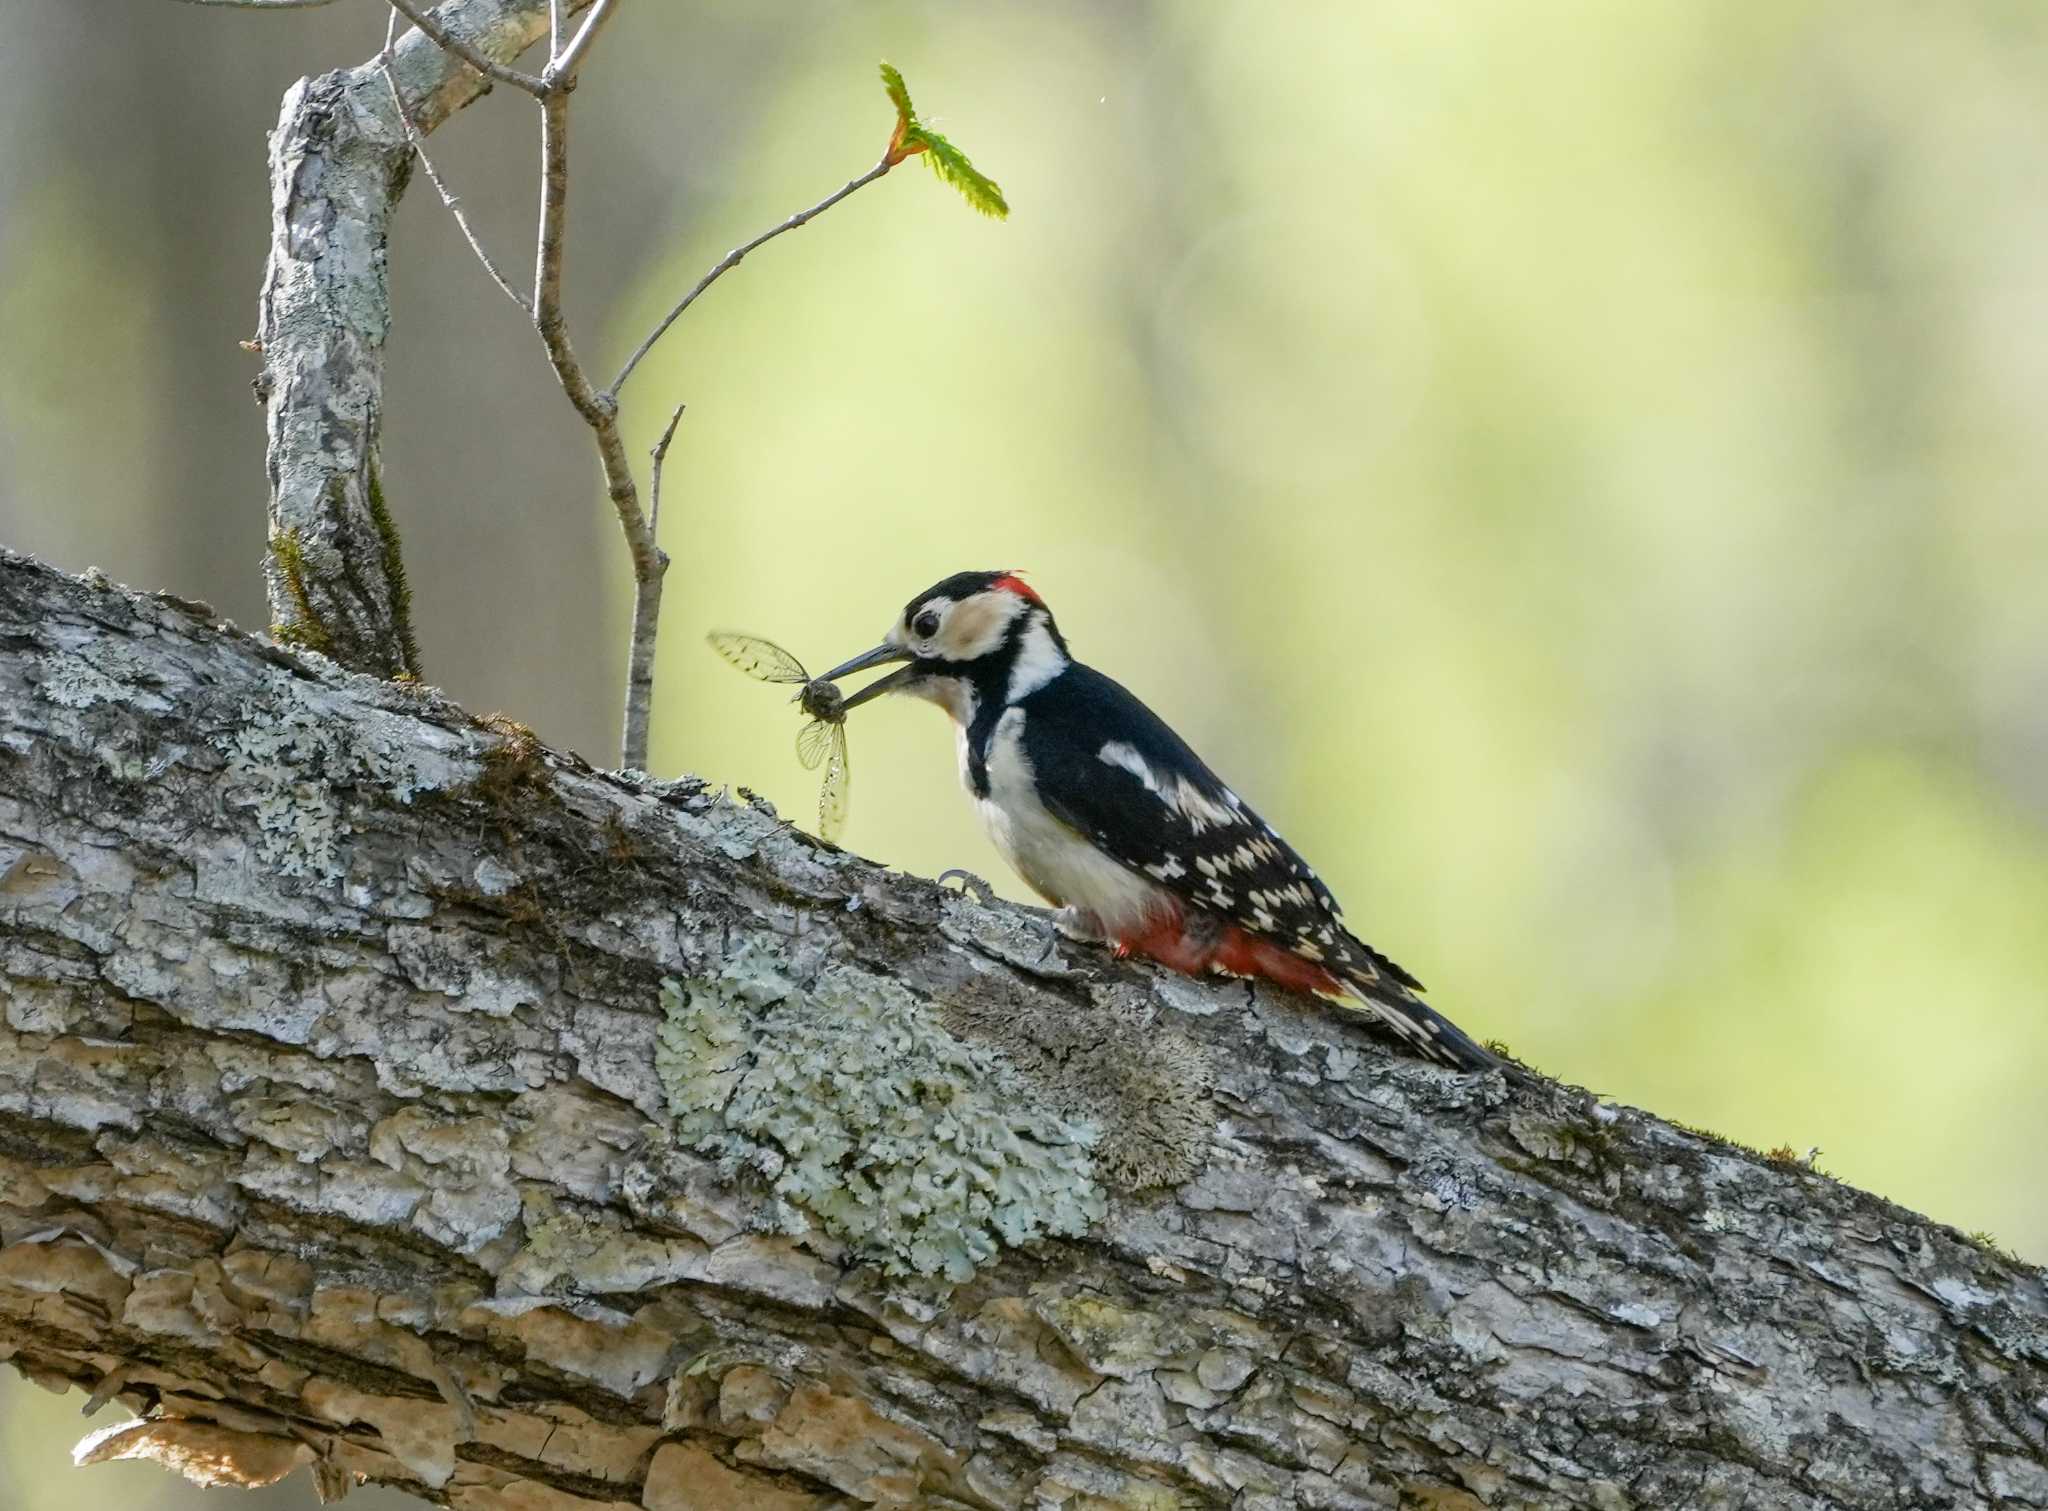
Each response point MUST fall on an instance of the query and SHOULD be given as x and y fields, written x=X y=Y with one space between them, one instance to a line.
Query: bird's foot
x=1071 y=923
x=982 y=892
x=1079 y=925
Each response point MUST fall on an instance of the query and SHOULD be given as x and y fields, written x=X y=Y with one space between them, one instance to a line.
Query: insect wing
x=832 y=796
x=811 y=742
x=757 y=657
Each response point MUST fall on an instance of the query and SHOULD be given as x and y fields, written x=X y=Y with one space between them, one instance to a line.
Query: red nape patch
x=1013 y=582
x=1233 y=952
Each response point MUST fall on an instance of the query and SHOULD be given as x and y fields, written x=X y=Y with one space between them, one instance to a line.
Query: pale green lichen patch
x=78 y=672
x=73 y=682
x=924 y=1153
x=285 y=765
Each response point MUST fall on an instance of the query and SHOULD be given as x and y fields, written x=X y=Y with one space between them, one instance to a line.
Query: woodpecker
x=1107 y=814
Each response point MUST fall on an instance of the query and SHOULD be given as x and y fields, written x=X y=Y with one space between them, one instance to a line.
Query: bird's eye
x=926 y=624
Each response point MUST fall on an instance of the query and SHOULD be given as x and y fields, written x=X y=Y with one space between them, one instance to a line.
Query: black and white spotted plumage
x=1145 y=797
x=1105 y=811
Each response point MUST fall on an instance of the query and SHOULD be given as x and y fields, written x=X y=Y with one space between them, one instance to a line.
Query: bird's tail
x=1420 y=1026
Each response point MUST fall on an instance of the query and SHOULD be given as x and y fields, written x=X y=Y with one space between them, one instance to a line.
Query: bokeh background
x=1581 y=470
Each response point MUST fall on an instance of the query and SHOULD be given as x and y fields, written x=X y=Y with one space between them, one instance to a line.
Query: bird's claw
x=982 y=892
x=1073 y=925
x=1079 y=925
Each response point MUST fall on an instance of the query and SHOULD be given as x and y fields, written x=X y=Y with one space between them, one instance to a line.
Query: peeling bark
x=331 y=1134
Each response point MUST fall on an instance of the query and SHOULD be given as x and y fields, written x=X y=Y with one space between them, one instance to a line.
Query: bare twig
x=561 y=69
x=418 y=144
x=650 y=563
x=421 y=17
x=733 y=259
x=660 y=456
x=599 y=408
x=547 y=262
x=599 y=412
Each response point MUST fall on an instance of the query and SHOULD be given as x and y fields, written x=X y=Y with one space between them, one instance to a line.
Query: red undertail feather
x=1230 y=950
x=1210 y=944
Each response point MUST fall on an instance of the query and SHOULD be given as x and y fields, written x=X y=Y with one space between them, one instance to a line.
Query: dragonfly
x=822 y=741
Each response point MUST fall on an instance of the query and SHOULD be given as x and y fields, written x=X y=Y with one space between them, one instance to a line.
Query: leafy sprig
x=913 y=137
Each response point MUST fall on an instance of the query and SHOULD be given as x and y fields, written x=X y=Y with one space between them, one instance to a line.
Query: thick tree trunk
x=382 y=1093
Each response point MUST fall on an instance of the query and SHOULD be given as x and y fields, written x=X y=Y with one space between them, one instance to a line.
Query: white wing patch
x=1202 y=811
x=1117 y=753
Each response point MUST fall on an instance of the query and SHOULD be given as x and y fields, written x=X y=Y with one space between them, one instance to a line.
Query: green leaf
x=899 y=95
x=951 y=164
x=912 y=137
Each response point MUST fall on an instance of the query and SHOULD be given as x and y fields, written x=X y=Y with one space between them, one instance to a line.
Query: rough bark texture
x=339 y=160
x=347 y=1121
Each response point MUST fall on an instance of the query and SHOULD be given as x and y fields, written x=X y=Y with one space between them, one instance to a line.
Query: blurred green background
x=1581 y=470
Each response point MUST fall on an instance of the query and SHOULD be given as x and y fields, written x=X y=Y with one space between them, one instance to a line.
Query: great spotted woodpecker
x=1106 y=813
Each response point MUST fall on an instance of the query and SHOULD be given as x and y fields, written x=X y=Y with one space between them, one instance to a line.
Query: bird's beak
x=879 y=656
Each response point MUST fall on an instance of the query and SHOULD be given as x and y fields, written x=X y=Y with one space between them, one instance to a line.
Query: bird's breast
x=1055 y=860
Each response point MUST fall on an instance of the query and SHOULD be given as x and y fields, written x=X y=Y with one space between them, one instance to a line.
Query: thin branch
x=417 y=142
x=733 y=259
x=600 y=410
x=547 y=260
x=419 y=16
x=660 y=456
x=650 y=563
x=561 y=70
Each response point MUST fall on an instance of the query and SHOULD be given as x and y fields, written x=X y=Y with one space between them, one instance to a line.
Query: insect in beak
x=881 y=655
x=821 y=742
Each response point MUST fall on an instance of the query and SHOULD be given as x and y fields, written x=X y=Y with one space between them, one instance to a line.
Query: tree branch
x=335 y=579
x=650 y=562
x=562 y=66
x=454 y=205
x=346 y=1122
x=262 y=4
x=735 y=257
x=339 y=159
x=452 y=42
x=658 y=459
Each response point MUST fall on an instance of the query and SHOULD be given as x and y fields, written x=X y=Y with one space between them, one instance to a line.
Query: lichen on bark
x=925 y=1153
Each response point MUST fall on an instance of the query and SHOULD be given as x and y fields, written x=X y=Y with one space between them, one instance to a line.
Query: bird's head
x=974 y=637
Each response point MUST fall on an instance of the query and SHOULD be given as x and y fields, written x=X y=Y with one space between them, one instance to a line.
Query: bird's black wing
x=1114 y=770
